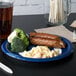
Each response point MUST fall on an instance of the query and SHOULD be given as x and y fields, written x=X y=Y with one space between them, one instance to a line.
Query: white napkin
x=58 y=30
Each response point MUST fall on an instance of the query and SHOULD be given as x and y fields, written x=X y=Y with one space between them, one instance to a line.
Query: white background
x=31 y=7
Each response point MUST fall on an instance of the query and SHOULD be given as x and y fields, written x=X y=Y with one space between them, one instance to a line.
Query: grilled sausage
x=43 y=35
x=47 y=42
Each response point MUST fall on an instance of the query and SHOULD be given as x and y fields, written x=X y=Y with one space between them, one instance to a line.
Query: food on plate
x=46 y=40
x=41 y=52
x=17 y=45
x=18 y=40
x=43 y=35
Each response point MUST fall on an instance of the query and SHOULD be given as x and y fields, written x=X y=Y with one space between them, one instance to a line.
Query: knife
x=5 y=68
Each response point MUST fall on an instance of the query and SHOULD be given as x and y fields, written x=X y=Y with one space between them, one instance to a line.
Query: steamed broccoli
x=17 y=45
x=18 y=40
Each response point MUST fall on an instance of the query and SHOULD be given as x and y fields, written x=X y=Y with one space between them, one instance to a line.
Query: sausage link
x=47 y=42
x=43 y=35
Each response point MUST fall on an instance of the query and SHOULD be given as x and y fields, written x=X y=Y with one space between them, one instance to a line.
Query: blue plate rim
x=16 y=56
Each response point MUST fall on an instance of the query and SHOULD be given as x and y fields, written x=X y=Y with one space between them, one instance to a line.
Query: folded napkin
x=58 y=30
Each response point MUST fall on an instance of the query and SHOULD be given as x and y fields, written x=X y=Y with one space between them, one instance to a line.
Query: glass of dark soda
x=6 y=14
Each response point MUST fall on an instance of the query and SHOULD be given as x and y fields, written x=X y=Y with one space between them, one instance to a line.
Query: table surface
x=64 y=67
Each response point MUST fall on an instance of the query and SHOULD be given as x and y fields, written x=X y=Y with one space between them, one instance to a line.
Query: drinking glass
x=6 y=14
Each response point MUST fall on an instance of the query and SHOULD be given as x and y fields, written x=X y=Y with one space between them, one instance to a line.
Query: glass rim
x=8 y=1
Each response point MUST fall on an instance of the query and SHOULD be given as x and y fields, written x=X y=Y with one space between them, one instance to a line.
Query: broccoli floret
x=17 y=45
x=18 y=40
x=22 y=36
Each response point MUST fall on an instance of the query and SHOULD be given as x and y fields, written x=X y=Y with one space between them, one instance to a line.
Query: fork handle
x=5 y=68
